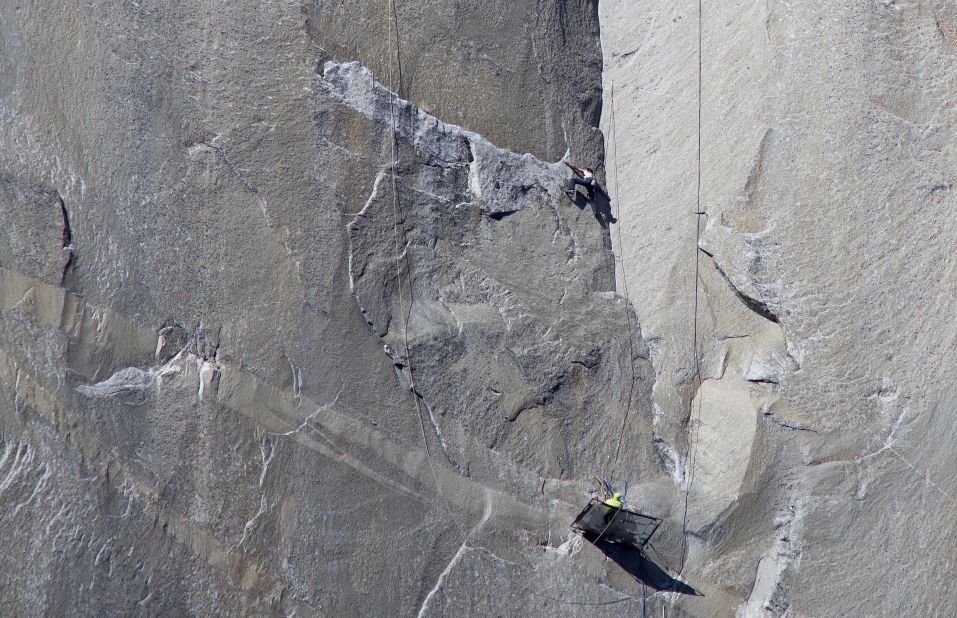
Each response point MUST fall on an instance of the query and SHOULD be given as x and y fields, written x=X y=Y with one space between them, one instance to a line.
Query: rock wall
x=214 y=281
x=526 y=74
x=295 y=317
x=825 y=269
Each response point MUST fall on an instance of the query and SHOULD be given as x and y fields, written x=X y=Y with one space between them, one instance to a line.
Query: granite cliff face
x=206 y=388
x=826 y=282
x=295 y=317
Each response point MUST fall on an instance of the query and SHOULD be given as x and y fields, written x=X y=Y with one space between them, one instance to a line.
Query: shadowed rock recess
x=296 y=319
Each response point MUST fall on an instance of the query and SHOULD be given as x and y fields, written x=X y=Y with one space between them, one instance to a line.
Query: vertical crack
x=67 y=242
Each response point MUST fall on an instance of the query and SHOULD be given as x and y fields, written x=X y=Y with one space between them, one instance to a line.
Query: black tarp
x=615 y=525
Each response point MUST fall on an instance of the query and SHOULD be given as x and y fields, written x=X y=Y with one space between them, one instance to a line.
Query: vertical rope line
x=398 y=46
x=695 y=411
x=624 y=278
x=643 y=597
x=392 y=16
x=406 y=314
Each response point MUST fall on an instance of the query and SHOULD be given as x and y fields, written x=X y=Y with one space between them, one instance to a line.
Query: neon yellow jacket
x=614 y=501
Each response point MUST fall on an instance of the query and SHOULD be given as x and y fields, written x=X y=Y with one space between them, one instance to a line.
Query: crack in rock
x=756 y=305
x=67 y=242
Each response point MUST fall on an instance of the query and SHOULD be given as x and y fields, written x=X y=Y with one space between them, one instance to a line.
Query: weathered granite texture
x=203 y=373
x=823 y=481
x=228 y=250
x=526 y=74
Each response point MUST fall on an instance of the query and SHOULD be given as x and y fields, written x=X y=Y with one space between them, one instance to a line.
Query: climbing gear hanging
x=625 y=527
x=693 y=415
x=396 y=212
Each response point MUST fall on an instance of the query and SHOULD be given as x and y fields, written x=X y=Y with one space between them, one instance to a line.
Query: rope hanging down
x=395 y=66
x=694 y=411
x=627 y=304
x=693 y=415
x=406 y=314
x=624 y=280
x=396 y=212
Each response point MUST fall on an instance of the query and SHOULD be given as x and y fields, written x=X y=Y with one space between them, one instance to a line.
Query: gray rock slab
x=211 y=412
x=822 y=280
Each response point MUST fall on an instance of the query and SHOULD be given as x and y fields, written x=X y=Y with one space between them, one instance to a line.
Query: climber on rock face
x=597 y=198
x=584 y=177
x=615 y=501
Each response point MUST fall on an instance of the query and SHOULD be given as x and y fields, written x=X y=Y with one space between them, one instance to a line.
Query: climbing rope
x=644 y=595
x=395 y=71
x=624 y=279
x=694 y=411
x=693 y=415
x=396 y=216
x=627 y=304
